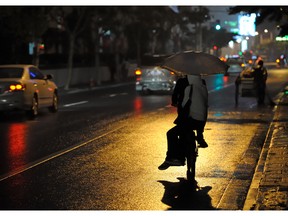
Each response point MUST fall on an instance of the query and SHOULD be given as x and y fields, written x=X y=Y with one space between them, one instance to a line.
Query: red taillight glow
x=138 y=72
x=16 y=87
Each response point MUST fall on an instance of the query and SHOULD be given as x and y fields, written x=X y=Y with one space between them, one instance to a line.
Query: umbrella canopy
x=195 y=63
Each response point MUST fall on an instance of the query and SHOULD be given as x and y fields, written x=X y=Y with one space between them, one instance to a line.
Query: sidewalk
x=269 y=188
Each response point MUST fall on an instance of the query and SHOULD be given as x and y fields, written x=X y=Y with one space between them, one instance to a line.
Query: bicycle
x=191 y=155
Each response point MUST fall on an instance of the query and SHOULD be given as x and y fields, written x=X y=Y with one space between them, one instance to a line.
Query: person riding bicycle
x=194 y=88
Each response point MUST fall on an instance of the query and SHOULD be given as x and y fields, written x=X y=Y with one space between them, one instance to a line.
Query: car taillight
x=138 y=72
x=16 y=87
x=172 y=73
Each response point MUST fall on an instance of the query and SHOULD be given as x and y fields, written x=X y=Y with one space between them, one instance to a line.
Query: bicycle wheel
x=191 y=156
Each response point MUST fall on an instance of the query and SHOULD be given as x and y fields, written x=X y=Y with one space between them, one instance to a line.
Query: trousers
x=181 y=135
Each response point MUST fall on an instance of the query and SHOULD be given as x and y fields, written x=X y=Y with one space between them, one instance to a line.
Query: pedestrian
x=190 y=117
x=259 y=73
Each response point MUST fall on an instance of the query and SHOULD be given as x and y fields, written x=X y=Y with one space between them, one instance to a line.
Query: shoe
x=202 y=143
x=164 y=166
x=174 y=162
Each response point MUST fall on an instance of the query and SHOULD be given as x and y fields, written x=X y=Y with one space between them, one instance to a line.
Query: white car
x=24 y=87
x=236 y=65
x=150 y=77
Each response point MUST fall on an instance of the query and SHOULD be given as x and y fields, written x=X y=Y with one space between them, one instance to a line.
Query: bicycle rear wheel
x=191 y=156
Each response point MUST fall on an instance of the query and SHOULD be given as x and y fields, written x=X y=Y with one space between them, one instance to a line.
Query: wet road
x=102 y=149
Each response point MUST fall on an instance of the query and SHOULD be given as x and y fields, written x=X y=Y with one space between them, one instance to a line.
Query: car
x=236 y=65
x=150 y=77
x=24 y=87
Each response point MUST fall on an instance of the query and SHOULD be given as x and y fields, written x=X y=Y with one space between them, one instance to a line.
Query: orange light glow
x=138 y=72
x=12 y=87
x=223 y=59
x=16 y=87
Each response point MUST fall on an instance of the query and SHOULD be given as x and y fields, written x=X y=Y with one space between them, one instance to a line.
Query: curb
x=253 y=199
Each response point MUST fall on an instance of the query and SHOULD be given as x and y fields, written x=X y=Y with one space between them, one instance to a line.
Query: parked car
x=236 y=65
x=150 y=77
x=24 y=87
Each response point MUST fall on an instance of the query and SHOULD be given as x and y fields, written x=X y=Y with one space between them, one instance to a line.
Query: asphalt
x=269 y=187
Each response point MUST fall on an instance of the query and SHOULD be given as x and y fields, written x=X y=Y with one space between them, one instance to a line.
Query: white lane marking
x=54 y=155
x=74 y=104
x=122 y=93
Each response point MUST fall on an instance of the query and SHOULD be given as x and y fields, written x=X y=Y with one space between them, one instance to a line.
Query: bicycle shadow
x=183 y=195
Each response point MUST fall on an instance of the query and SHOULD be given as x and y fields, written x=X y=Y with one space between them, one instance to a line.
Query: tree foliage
x=26 y=24
x=219 y=38
x=278 y=14
x=119 y=31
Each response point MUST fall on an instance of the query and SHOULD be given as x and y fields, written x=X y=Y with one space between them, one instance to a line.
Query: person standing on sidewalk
x=260 y=75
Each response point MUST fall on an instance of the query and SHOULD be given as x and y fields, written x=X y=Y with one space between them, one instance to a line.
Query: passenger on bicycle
x=193 y=87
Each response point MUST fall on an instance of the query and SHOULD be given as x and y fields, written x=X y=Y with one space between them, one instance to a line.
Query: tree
x=27 y=24
x=118 y=21
x=195 y=16
x=150 y=25
x=99 y=18
x=74 y=20
x=216 y=39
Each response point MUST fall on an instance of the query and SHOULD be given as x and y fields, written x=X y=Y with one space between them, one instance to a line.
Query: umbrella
x=195 y=63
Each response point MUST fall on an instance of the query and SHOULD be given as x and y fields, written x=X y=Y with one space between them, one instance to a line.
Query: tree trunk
x=117 y=62
x=138 y=52
x=97 y=63
x=70 y=61
x=36 y=54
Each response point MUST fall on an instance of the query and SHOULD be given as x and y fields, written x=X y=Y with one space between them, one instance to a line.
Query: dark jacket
x=260 y=74
x=178 y=93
